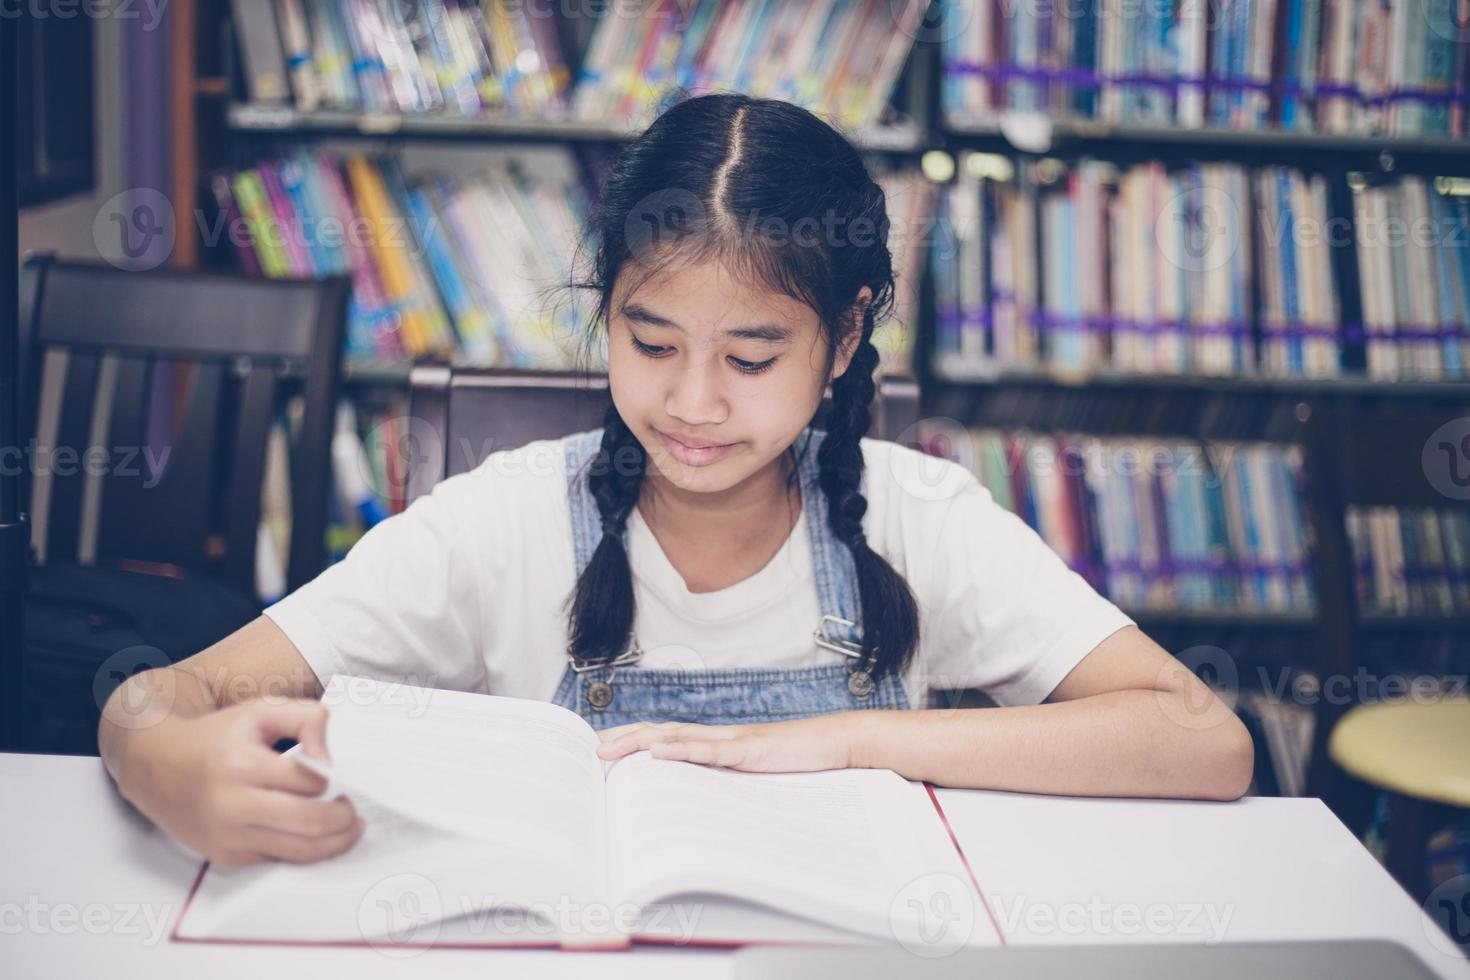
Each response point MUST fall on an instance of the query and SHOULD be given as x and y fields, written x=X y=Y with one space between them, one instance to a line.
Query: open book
x=490 y=821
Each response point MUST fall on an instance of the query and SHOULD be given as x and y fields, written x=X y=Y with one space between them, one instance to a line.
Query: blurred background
x=1185 y=284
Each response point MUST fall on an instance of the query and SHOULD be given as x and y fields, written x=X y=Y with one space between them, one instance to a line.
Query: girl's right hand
x=216 y=784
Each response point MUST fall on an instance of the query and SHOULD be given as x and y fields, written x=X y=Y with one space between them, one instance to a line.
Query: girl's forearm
x=1120 y=743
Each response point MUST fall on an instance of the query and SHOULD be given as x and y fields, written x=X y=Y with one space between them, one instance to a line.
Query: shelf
x=1066 y=138
x=286 y=120
x=1086 y=137
x=370 y=375
x=1226 y=619
x=962 y=374
x=1427 y=622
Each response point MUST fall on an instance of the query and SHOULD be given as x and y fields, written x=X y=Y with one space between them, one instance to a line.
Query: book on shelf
x=1286 y=727
x=452 y=57
x=492 y=821
x=1410 y=561
x=1207 y=269
x=1154 y=525
x=1352 y=67
x=502 y=59
x=260 y=51
x=1413 y=252
x=453 y=265
x=839 y=58
x=470 y=265
x=909 y=201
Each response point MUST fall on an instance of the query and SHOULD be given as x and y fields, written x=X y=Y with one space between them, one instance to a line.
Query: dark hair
x=725 y=177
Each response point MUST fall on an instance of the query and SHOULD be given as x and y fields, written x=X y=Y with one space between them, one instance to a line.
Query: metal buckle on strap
x=859 y=675
x=633 y=654
x=845 y=647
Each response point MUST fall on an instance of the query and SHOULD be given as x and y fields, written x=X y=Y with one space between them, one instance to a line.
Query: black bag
x=88 y=628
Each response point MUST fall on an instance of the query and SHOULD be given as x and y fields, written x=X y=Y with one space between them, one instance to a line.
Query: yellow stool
x=1420 y=753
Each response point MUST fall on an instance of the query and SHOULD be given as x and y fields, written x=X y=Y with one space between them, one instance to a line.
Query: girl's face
x=715 y=378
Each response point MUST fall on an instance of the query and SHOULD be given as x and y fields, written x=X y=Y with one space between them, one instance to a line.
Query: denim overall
x=623 y=692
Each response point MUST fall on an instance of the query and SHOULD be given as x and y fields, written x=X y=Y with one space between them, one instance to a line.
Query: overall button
x=599 y=694
x=860 y=683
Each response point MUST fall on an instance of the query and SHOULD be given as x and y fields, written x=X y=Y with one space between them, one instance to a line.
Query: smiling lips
x=698 y=453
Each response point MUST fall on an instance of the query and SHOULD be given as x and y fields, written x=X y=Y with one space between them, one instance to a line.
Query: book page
x=403 y=885
x=845 y=847
x=469 y=801
x=474 y=764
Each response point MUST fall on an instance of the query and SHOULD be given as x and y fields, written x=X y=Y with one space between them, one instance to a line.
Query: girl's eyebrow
x=765 y=331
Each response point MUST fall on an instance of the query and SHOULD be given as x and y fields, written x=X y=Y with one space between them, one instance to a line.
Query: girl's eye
x=744 y=367
x=647 y=349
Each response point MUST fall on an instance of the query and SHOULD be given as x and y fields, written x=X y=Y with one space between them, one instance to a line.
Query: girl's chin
x=711 y=478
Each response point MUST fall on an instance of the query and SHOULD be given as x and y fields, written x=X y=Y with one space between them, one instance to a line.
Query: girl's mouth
x=690 y=455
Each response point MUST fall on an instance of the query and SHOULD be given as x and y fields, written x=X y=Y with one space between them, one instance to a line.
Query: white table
x=87 y=885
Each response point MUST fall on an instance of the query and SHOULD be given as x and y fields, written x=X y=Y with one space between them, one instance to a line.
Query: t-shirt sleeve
x=403 y=604
x=1008 y=615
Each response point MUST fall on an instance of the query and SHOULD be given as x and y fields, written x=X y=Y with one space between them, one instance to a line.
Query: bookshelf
x=225 y=129
x=1080 y=138
x=903 y=138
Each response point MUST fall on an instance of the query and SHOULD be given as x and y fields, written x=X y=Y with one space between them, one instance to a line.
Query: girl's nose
x=697 y=396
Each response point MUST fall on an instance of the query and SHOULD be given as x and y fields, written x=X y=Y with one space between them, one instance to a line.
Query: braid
x=890 y=616
x=603 y=604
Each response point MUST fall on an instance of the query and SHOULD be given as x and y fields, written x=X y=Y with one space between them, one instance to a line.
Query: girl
x=709 y=576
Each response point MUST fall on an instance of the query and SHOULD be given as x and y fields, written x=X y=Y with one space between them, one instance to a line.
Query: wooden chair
x=473 y=412
x=1418 y=752
x=95 y=339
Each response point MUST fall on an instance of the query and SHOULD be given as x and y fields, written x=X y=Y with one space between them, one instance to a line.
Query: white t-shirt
x=465 y=589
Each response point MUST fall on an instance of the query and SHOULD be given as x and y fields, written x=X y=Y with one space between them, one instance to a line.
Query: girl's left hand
x=802 y=745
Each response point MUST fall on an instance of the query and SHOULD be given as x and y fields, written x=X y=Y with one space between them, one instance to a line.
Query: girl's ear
x=853 y=335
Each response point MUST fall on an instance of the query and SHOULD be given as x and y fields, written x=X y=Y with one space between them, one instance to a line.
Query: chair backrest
x=471 y=412
x=96 y=341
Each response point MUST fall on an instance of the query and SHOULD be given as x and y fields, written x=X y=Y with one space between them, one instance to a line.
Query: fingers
x=301 y=719
x=296 y=848
x=274 y=771
x=617 y=731
x=235 y=859
x=730 y=754
x=624 y=739
x=310 y=818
